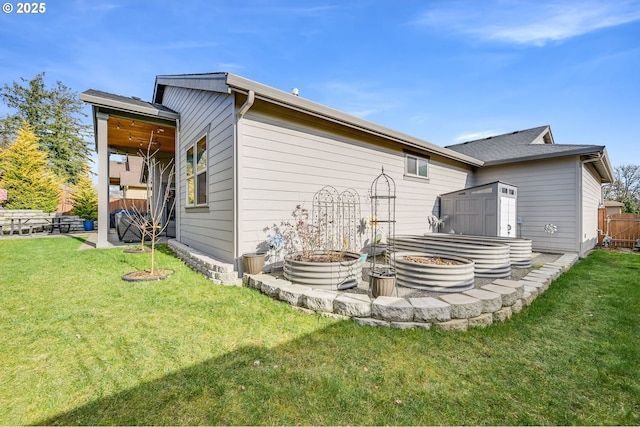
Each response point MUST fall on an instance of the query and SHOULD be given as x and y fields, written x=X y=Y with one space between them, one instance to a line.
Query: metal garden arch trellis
x=382 y=277
x=336 y=217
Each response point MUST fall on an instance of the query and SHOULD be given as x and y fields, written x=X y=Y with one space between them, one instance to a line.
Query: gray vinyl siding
x=208 y=229
x=284 y=164
x=591 y=199
x=548 y=193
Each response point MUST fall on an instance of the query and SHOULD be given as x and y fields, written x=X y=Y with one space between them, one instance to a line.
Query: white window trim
x=194 y=175
x=416 y=157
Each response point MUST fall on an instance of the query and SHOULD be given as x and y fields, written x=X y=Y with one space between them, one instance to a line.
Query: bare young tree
x=154 y=222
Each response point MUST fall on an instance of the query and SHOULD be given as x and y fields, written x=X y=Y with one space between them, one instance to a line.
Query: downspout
x=177 y=208
x=237 y=176
x=251 y=97
x=581 y=212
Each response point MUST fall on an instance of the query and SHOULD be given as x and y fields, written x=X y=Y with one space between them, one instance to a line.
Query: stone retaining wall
x=495 y=302
x=217 y=271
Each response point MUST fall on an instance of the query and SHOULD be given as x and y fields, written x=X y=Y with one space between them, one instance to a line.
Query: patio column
x=103 y=180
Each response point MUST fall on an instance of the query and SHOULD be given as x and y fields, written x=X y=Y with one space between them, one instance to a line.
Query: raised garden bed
x=431 y=272
x=321 y=272
x=491 y=259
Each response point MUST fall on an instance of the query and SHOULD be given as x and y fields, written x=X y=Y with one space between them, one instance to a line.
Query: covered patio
x=126 y=126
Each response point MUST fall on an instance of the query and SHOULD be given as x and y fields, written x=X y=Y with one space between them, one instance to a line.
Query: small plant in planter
x=85 y=200
x=312 y=261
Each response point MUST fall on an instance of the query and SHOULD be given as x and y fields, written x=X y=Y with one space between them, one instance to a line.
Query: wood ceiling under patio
x=129 y=135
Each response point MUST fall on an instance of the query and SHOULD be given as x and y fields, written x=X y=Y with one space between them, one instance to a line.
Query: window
x=416 y=166
x=196 y=173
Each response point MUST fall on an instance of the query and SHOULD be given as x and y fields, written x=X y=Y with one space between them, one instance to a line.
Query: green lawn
x=80 y=346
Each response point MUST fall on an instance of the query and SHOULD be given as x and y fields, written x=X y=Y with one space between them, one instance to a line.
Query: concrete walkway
x=112 y=237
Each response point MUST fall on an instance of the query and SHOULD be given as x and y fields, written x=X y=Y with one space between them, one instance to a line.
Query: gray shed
x=485 y=210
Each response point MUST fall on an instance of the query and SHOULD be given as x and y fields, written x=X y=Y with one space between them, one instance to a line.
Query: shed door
x=507 y=217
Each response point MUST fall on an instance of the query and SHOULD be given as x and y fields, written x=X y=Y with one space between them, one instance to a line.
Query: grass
x=78 y=346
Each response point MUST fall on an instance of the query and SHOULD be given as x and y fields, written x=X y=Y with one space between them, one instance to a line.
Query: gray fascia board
x=288 y=100
x=606 y=165
x=215 y=82
x=592 y=149
x=119 y=105
x=227 y=82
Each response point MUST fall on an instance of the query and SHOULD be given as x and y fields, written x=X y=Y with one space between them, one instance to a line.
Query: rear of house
x=557 y=184
x=248 y=154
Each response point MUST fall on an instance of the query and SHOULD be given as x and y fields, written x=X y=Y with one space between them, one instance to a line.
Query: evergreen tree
x=85 y=197
x=55 y=116
x=27 y=178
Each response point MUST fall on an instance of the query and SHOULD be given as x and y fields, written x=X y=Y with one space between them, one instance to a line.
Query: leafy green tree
x=626 y=187
x=85 y=197
x=55 y=115
x=26 y=176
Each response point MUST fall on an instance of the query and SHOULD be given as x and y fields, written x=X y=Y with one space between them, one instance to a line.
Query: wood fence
x=623 y=229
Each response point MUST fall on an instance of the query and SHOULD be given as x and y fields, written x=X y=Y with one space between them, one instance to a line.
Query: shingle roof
x=127 y=103
x=529 y=144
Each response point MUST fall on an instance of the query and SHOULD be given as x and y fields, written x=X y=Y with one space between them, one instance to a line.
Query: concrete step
x=509 y=295
x=490 y=301
x=318 y=299
x=429 y=309
x=463 y=306
x=515 y=284
x=352 y=305
x=392 y=309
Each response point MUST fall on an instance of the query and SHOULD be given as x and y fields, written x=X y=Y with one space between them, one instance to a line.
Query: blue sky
x=443 y=71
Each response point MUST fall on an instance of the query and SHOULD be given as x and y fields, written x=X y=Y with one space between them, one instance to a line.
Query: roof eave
x=601 y=161
x=227 y=83
x=143 y=110
x=575 y=152
x=306 y=106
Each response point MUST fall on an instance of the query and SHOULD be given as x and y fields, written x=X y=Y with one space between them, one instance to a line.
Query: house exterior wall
x=284 y=161
x=134 y=193
x=210 y=228
x=548 y=193
x=591 y=199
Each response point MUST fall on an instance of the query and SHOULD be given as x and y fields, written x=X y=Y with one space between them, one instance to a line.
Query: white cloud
x=528 y=22
x=472 y=136
x=359 y=99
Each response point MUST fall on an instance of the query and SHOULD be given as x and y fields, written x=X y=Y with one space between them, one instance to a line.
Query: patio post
x=103 y=180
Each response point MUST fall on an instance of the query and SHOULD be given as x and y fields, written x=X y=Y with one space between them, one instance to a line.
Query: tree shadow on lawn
x=311 y=380
x=345 y=374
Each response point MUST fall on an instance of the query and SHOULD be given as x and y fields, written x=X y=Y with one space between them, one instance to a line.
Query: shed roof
x=228 y=83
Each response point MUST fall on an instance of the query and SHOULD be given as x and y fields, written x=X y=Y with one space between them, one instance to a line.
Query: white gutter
x=602 y=159
x=237 y=176
x=251 y=97
x=176 y=178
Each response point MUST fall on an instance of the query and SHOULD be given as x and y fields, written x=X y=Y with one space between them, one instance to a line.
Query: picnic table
x=30 y=222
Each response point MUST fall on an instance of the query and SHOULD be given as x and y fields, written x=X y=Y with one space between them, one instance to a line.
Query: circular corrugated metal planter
x=520 y=249
x=491 y=259
x=419 y=270
x=324 y=275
